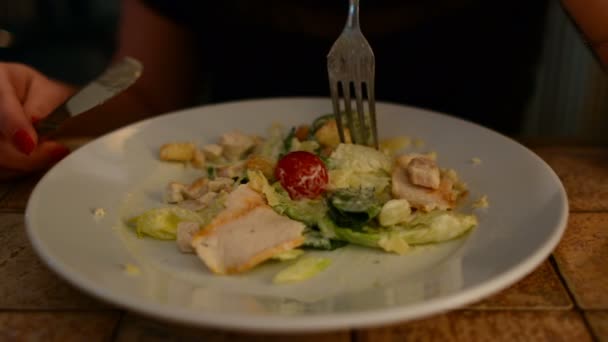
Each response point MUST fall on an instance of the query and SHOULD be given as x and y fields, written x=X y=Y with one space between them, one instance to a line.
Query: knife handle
x=50 y=124
x=118 y=77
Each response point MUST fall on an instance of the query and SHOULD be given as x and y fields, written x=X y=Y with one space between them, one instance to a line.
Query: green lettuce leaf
x=307 y=211
x=161 y=223
x=428 y=228
x=273 y=146
x=359 y=158
x=301 y=270
x=315 y=240
x=354 y=208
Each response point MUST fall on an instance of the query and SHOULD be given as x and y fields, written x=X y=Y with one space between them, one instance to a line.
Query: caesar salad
x=274 y=197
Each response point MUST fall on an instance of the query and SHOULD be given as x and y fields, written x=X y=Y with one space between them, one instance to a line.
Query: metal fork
x=351 y=64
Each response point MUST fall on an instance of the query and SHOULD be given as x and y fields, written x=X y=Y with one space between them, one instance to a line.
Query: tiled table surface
x=565 y=299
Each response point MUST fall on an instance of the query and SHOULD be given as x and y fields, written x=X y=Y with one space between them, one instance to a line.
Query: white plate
x=120 y=172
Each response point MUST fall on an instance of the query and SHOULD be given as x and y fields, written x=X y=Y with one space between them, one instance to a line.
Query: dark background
x=73 y=40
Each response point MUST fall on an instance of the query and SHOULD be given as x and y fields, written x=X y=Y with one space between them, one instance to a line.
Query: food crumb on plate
x=131 y=269
x=475 y=161
x=99 y=213
x=482 y=202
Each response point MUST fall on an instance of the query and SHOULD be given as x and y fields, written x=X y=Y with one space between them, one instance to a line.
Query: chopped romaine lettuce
x=359 y=158
x=288 y=141
x=392 y=242
x=272 y=147
x=161 y=223
x=437 y=226
x=394 y=212
x=259 y=183
x=355 y=166
x=428 y=228
x=330 y=230
x=307 y=211
x=319 y=122
x=353 y=208
x=307 y=145
x=348 y=178
x=315 y=240
x=302 y=269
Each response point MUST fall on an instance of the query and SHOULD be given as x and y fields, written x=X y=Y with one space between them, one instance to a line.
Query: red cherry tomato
x=302 y=174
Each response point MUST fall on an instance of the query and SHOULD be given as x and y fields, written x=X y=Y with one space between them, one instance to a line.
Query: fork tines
x=360 y=125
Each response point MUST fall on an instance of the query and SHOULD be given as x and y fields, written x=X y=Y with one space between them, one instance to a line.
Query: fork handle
x=353 y=15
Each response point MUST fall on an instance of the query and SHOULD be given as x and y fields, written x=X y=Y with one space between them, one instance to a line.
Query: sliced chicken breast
x=420 y=197
x=185 y=232
x=235 y=144
x=246 y=233
x=424 y=172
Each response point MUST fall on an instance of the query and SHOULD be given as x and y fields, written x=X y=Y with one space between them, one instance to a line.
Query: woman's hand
x=27 y=96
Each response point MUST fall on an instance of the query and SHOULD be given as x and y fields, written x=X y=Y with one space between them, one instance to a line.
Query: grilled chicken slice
x=424 y=172
x=220 y=183
x=420 y=197
x=212 y=152
x=235 y=144
x=185 y=232
x=405 y=159
x=246 y=233
x=199 y=203
x=174 y=193
x=197 y=188
x=232 y=170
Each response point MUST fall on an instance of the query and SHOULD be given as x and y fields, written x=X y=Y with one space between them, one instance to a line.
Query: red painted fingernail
x=59 y=153
x=24 y=142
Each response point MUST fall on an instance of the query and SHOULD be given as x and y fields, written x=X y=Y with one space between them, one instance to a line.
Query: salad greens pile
x=357 y=203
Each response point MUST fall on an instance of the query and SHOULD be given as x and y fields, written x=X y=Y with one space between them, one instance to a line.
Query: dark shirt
x=471 y=58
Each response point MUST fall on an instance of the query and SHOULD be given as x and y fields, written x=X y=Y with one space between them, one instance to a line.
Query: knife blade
x=112 y=81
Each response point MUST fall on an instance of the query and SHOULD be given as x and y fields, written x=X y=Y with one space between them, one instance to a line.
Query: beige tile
x=542 y=289
x=137 y=328
x=26 y=282
x=598 y=320
x=472 y=326
x=582 y=258
x=15 y=200
x=58 y=326
x=584 y=172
